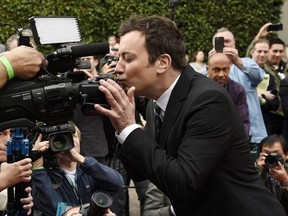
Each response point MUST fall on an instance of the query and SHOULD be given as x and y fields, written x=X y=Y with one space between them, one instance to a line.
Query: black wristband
x=35 y=155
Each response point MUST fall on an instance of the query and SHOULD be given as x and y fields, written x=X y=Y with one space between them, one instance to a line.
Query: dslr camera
x=272 y=159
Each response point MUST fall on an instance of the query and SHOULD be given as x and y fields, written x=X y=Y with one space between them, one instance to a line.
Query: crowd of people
x=196 y=139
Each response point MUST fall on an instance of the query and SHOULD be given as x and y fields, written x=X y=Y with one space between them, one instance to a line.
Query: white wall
x=284 y=19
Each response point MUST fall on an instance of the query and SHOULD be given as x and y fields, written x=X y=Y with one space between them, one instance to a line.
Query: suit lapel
x=175 y=103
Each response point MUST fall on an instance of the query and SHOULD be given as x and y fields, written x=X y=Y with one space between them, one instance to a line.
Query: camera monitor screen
x=55 y=29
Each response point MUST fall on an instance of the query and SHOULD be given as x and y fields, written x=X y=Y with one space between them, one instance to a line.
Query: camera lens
x=271 y=161
x=102 y=199
x=59 y=142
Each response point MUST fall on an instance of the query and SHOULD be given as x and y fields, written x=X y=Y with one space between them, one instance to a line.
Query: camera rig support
x=17 y=149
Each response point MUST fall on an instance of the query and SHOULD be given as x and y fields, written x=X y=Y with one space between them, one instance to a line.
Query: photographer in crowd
x=22 y=63
x=72 y=180
x=273 y=168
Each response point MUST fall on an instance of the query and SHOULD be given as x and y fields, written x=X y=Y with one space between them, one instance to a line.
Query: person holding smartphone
x=248 y=73
x=274 y=65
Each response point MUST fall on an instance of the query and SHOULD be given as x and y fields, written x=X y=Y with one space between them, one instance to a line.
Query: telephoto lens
x=100 y=202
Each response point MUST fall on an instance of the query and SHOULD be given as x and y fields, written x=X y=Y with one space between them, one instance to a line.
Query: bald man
x=218 y=68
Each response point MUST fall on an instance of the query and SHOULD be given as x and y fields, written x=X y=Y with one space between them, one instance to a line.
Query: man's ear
x=164 y=63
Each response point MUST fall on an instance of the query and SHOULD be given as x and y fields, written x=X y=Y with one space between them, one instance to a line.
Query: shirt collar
x=164 y=98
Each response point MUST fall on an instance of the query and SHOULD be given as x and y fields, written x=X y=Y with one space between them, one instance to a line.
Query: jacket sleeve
x=45 y=197
x=252 y=69
x=196 y=145
x=244 y=111
x=156 y=203
x=105 y=177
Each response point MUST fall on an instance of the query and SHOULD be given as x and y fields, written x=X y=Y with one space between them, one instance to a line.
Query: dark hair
x=276 y=41
x=161 y=37
x=271 y=140
x=193 y=59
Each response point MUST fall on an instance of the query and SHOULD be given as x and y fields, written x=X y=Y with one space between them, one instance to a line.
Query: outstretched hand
x=122 y=111
x=13 y=173
x=263 y=32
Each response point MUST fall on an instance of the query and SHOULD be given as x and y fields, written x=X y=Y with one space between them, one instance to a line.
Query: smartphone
x=275 y=27
x=219 y=44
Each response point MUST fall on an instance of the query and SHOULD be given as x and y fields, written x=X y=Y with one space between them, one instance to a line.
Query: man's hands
x=40 y=146
x=279 y=172
x=122 y=111
x=232 y=54
x=28 y=201
x=13 y=173
x=26 y=61
x=263 y=32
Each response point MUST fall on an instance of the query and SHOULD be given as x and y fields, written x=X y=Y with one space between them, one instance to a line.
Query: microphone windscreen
x=90 y=49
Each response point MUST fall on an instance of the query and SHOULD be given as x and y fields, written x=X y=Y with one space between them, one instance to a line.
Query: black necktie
x=159 y=115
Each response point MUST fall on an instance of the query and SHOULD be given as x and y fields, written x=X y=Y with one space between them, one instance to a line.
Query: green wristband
x=8 y=66
x=38 y=168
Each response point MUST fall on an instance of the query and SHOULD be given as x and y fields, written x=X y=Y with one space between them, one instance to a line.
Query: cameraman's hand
x=26 y=61
x=109 y=213
x=122 y=110
x=13 y=173
x=108 y=68
x=40 y=146
x=28 y=201
x=88 y=74
x=279 y=173
x=260 y=162
x=76 y=156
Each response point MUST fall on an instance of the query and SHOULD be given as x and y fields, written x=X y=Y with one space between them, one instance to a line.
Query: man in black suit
x=202 y=160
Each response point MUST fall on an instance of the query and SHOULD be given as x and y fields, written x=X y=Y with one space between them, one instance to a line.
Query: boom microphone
x=84 y=50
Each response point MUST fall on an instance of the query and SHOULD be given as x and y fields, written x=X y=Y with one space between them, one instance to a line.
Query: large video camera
x=52 y=95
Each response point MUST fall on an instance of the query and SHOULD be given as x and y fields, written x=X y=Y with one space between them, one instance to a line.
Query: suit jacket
x=156 y=202
x=202 y=161
x=238 y=95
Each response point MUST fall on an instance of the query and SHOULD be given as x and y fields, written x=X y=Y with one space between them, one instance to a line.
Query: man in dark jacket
x=202 y=160
x=218 y=68
x=73 y=181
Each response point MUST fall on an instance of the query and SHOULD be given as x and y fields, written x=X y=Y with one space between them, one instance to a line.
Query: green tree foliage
x=198 y=20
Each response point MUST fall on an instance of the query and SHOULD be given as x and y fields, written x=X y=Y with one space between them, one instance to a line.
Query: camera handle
x=17 y=149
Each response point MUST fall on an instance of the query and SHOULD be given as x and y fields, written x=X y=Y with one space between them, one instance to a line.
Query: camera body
x=272 y=160
x=60 y=137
